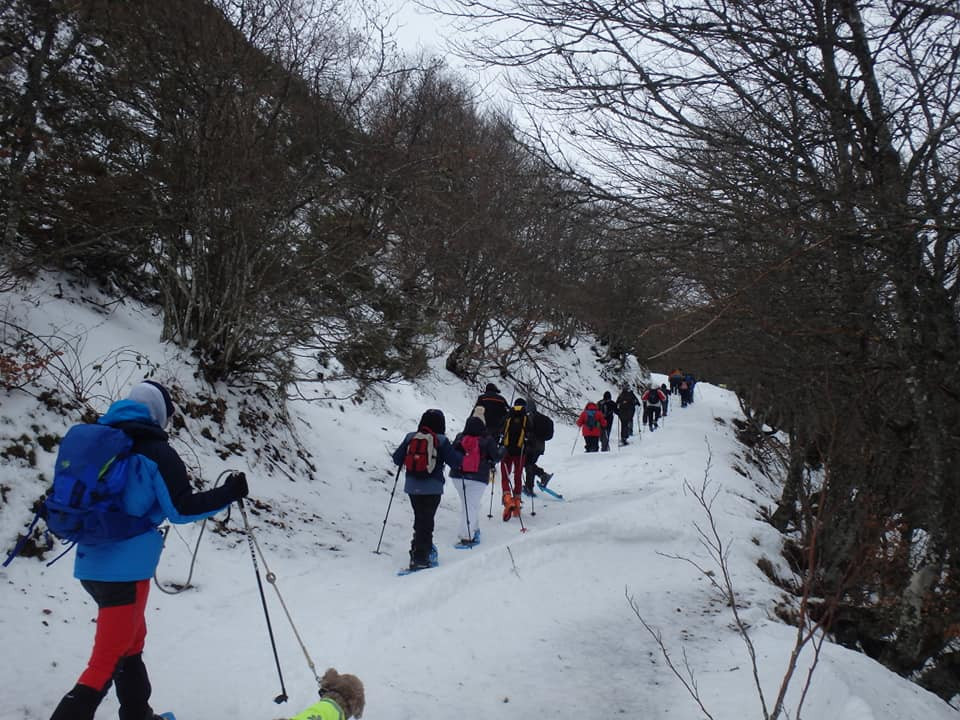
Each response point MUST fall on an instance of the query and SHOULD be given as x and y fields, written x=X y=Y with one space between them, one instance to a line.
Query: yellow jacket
x=326 y=709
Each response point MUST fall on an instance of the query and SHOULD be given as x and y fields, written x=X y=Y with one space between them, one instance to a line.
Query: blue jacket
x=433 y=483
x=157 y=487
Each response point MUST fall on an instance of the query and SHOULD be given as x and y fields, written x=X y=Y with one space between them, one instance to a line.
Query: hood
x=474 y=426
x=127 y=411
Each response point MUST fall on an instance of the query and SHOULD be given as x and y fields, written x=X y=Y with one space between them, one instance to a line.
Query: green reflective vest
x=324 y=710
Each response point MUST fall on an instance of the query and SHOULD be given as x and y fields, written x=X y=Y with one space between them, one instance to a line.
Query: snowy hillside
x=526 y=625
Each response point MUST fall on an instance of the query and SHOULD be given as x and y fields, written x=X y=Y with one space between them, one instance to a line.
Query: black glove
x=236 y=484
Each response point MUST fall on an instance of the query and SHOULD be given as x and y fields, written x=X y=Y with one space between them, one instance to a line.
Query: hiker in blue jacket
x=425 y=486
x=117 y=573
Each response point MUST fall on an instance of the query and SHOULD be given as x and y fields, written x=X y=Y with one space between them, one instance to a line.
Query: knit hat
x=434 y=420
x=474 y=426
x=606 y=395
x=491 y=388
x=156 y=398
x=520 y=401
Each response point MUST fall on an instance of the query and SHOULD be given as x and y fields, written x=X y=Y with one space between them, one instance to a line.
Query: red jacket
x=600 y=421
x=654 y=397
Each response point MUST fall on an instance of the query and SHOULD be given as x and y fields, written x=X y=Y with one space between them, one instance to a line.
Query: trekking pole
x=493 y=475
x=466 y=509
x=395 y=481
x=532 y=476
x=577 y=437
x=282 y=697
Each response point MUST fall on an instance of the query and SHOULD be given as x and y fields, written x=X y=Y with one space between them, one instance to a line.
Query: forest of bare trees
x=200 y=155
x=768 y=193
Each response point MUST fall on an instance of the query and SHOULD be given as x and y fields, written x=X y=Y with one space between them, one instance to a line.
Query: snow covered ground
x=525 y=625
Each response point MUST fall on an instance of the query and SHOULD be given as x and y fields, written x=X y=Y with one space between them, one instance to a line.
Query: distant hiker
x=609 y=409
x=117 y=573
x=591 y=423
x=691 y=382
x=480 y=453
x=626 y=407
x=423 y=454
x=666 y=398
x=495 y=409
x=675 y=378
x=652 y=401
x=515 y=432
x=540 y=431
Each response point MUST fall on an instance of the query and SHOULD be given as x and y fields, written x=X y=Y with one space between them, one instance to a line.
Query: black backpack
x=542 y=427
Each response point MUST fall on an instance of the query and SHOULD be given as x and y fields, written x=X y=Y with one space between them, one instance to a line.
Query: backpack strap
x=22 y=541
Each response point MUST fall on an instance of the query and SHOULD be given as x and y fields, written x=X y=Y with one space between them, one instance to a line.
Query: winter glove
x=236 y=484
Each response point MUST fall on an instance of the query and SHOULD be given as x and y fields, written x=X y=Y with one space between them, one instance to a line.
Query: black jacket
x=627 y=403
x=495 y=410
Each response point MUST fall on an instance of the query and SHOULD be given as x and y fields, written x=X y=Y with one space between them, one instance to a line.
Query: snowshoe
x=417 y=567
x=551 y=491
x=465 y=544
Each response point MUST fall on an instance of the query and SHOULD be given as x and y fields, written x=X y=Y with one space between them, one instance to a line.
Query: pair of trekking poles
x=272 y=579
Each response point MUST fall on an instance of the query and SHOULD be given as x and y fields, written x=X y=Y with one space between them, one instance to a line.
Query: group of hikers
x=511 y=436
x=682 y=384
x=596 y=421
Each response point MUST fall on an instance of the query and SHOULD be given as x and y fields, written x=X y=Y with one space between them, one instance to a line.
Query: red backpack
x=471 y=453
x=421 y=456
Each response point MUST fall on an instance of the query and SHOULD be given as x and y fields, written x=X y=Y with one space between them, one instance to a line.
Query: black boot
x=133 y=688
x=79 y=704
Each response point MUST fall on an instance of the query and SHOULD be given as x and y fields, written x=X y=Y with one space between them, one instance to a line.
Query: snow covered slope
x=525 y=625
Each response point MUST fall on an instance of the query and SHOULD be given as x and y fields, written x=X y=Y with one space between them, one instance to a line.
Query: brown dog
x=341 y=698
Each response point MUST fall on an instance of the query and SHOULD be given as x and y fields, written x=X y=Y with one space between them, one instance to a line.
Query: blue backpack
x=85 y=504
x=591 y=419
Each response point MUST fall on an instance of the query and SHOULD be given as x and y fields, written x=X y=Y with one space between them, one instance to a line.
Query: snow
x=525 y=625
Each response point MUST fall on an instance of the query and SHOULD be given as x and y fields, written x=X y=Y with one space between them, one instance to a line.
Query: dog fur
x=345 y=690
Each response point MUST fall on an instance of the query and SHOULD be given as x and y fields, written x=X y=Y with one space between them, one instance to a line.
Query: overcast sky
x=417 y=28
